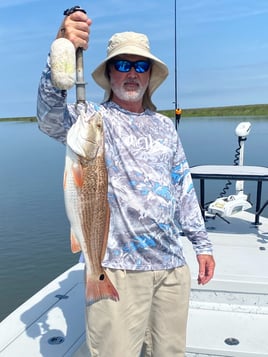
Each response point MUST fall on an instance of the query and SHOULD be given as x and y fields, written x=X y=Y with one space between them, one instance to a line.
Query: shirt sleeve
x=53 y=115
x=188 y=212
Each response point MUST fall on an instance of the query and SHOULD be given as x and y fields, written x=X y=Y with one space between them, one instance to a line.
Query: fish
x=85 y=186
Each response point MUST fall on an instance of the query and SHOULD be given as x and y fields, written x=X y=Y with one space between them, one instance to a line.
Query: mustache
x=132 y=81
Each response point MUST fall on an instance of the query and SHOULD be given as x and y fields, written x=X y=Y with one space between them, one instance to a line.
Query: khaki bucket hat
x=135 y=44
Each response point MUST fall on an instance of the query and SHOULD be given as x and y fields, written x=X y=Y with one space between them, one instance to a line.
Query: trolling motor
x=229 y=205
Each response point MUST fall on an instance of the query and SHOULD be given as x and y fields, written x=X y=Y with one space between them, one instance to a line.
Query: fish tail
x=100 y=289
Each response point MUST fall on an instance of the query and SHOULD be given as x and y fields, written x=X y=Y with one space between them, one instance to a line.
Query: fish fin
x=100 y=289
x=78 y=174
x=75 y=245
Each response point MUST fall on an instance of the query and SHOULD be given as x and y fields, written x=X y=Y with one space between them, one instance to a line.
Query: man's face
x=128 y=86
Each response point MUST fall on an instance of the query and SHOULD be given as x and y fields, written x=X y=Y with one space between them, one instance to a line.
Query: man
x=151 y=199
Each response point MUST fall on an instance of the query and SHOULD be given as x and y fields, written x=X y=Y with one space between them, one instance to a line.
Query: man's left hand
x=206 y=268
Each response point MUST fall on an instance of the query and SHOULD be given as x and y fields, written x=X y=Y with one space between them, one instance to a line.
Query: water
x=34 y=231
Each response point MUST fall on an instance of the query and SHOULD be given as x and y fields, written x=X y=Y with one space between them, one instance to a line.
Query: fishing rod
x=177 y=109
x=80 y=83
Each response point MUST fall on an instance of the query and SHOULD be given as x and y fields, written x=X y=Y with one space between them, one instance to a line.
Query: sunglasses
x=125 y=65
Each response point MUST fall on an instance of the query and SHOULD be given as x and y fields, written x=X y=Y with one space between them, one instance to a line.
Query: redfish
x=86 y=203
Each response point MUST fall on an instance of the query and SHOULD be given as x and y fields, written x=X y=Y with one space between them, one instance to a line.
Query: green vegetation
x=238 y=110
x=21 y=119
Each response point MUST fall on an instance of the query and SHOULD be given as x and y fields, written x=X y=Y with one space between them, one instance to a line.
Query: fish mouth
x=93 y=131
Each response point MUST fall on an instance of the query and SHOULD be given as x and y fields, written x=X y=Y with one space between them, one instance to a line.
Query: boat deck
x=233 y=307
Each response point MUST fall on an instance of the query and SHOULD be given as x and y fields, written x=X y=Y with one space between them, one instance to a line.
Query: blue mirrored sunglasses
x=125 y=65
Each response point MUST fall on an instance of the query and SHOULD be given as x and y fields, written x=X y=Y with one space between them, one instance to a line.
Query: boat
x=227 y=317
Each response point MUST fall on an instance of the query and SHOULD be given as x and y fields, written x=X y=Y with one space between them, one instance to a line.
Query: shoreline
x=235 y=110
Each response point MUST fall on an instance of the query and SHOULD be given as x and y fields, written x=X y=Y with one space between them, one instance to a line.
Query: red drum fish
x=86 y=203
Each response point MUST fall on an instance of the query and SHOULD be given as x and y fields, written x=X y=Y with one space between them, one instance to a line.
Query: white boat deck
x=234 y=304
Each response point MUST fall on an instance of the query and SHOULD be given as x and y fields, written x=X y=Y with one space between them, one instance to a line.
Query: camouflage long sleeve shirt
x=150 y=190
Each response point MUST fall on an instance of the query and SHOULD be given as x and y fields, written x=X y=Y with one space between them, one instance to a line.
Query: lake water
x=34 y=231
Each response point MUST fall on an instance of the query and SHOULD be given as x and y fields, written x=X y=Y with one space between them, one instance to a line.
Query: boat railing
x=232 y=172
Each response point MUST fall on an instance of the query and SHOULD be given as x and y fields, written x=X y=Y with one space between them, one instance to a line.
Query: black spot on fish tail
x=101 y=277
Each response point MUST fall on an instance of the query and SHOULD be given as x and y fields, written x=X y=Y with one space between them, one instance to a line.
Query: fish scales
x=87 y=208
x=95 y=209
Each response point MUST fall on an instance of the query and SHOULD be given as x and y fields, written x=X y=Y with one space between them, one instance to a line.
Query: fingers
x=76 y=28
x=206 y=268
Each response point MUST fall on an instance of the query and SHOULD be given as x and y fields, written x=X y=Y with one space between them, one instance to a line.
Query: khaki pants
x=149 y=320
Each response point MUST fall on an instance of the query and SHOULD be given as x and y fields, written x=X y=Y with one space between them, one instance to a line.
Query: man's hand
x=76 y=28
x=206 y=268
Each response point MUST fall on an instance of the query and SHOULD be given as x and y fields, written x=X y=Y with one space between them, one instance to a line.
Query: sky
x=222 y=48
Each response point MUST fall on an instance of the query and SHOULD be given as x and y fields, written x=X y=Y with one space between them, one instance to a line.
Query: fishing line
x=177 y=109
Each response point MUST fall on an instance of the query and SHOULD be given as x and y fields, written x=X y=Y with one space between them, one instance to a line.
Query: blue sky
x=222 y=48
